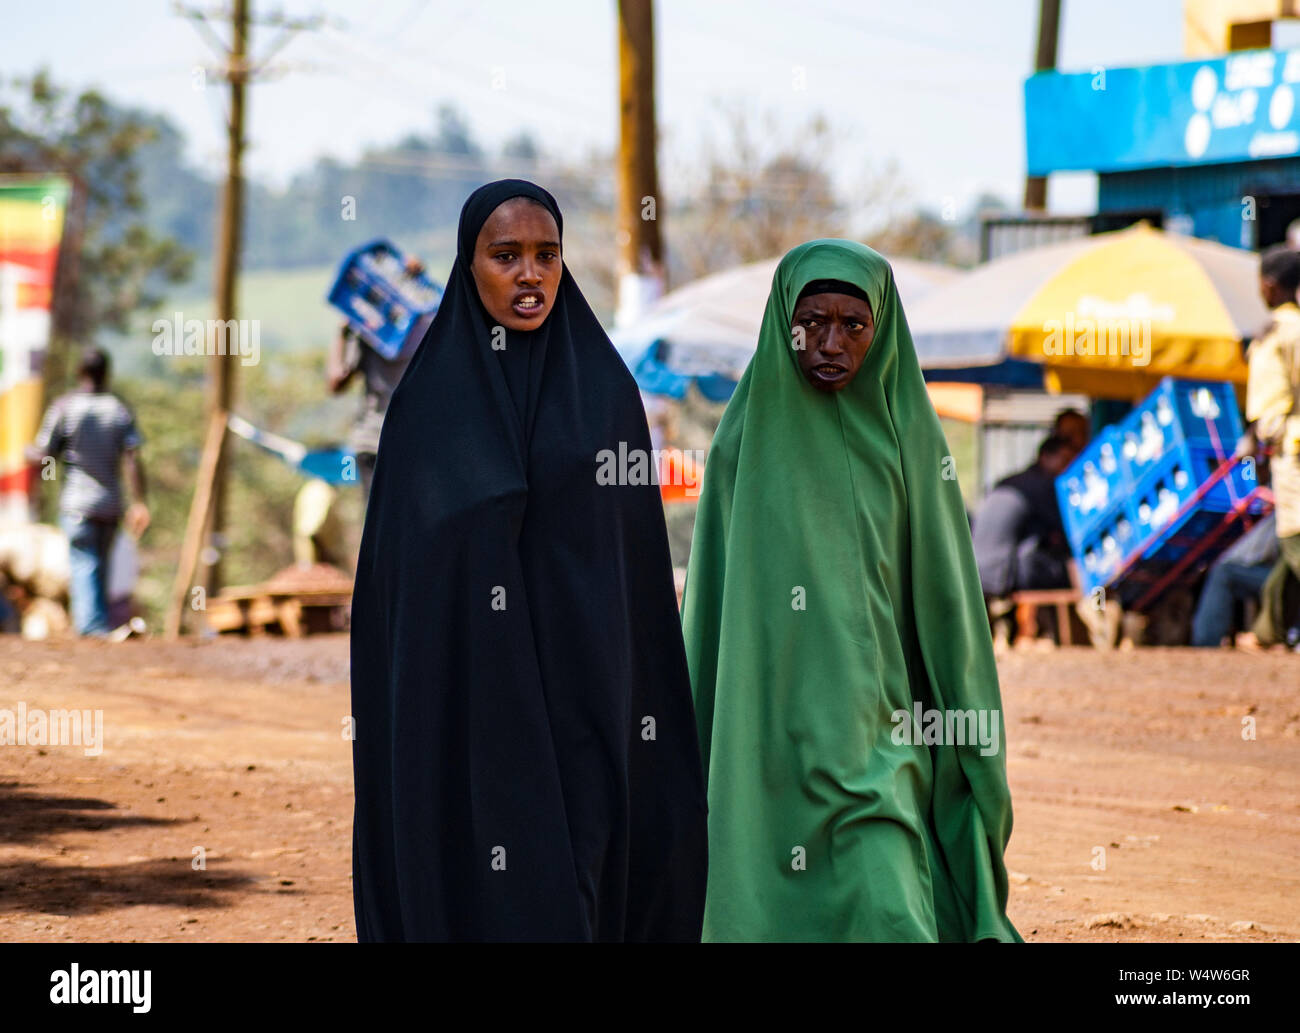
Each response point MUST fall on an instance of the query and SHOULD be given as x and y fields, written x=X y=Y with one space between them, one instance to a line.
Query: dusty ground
x=237 y=747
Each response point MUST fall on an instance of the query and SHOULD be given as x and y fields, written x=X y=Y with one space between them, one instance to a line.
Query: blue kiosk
x=1208 y=147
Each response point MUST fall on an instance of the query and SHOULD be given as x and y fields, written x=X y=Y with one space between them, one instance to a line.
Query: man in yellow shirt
x=1273 y=419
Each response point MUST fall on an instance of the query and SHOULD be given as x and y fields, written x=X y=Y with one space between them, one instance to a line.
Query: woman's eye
x=504 y=256
x=548 y=256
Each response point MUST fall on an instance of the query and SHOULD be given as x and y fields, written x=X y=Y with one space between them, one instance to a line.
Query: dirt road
x=220 y=805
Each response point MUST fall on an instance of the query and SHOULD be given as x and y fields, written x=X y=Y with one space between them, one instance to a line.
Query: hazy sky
x=935 y=85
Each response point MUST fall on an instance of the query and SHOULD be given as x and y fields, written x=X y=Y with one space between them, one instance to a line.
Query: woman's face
x=516 y=264
x=835 y=331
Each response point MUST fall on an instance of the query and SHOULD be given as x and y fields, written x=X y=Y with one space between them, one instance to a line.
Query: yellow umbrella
x=1105 y=315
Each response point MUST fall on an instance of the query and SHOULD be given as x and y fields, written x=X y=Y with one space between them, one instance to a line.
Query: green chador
x=831 y=598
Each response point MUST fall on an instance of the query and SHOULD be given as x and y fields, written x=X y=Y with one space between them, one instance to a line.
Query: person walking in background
x=350 y=355
x=1273 y=421
x=95 y=434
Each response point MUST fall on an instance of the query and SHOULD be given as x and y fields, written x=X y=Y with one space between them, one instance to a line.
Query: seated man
x=1237 y=575
x=1019 y=538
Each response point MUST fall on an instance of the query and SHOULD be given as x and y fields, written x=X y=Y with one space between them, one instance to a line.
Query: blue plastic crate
x=1134 y=479
x=1177 y=413
x=1154 y=508
x=1091 y=488
x=1170 y=486
x=379 y=298
x=1101 y=551
x=1190 y=532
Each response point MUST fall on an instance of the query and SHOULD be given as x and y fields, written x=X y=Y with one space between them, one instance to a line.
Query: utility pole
x=207 y=518
x=221 y=384
x=641 y=254
x=1049 y=24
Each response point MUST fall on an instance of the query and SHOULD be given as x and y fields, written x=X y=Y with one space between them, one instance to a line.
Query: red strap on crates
x=1224 y=468
x=1238 y=511
x=1218 y=454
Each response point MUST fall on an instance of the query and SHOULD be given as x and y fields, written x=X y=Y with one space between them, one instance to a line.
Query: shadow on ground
x=45 y=886
x=56 y=889
x=31 y=817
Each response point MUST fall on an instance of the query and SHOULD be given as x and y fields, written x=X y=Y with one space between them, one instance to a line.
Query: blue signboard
x=1234 y=108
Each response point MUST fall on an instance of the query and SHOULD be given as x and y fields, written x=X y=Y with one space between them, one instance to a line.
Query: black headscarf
x=526 y=760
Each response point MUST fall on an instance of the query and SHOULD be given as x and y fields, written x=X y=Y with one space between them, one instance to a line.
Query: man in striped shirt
x=94 y=433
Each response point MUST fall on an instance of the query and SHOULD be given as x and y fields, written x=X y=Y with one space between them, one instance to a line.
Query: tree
x=757 y=200
x=112 y=264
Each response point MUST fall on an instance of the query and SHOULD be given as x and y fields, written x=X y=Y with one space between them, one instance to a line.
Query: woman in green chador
x=845 y=688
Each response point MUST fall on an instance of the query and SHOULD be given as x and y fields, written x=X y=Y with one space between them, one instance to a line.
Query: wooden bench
x=255 y=611
x=1027 y=603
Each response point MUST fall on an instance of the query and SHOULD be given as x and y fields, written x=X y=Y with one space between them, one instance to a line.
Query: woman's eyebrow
x=515 y=244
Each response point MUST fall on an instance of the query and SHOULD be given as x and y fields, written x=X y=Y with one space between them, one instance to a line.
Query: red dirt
x=237 y=746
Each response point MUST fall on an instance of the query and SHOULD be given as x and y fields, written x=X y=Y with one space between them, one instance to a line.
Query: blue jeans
x=1225 y=584
x=89 y=544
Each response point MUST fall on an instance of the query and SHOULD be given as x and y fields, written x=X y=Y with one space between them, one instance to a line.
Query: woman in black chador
x=526 y=759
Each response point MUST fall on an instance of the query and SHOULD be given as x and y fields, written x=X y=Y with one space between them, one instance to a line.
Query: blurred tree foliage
x=763 y=191
x=112 y=263
x=121 y=253
x=168 y=402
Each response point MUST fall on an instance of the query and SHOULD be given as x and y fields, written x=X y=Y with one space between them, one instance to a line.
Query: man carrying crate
x=1273 y=420
x=350 y=355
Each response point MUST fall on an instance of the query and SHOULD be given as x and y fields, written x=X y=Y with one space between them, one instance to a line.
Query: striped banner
x=31 y=227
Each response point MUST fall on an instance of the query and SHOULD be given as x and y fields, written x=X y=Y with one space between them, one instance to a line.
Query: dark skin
x=1054 y=463
x=837 y=332
x=1273 y=293
x=1075 y=428
x=517 y=264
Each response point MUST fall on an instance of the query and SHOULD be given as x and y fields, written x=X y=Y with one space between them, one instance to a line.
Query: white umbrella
x=707 y=330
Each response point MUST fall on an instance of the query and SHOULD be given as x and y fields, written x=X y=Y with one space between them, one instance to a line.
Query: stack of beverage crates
x=380 y=299
x=1136 y=476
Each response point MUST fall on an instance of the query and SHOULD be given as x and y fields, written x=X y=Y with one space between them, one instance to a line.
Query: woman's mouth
x=528 y=304
x=828 y=372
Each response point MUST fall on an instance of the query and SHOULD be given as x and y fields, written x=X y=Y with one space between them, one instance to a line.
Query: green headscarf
x=832 y=584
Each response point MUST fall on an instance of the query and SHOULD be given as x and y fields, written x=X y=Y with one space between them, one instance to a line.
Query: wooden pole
x=222 y=380
x=1049 y=23
x=207 y=518
x=641 y=267
x=200 y=514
